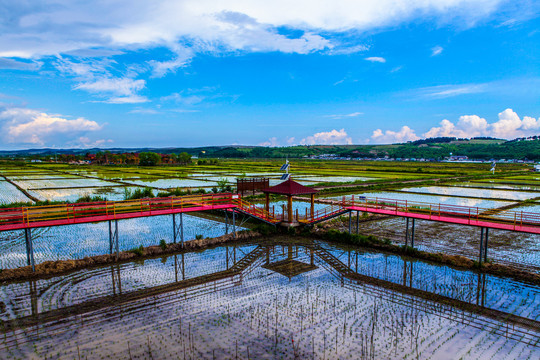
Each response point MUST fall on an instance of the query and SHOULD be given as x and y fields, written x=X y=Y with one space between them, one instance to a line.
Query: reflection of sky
x=484 y=193
x=528 y=208
x=115 y=193
x=498 y=186
x=456 y=284
x=434 y=199
x=262 y=288
x=10 y=194
x=173 y=183
x=78 y=241
x=317 y=178
x=38 y=184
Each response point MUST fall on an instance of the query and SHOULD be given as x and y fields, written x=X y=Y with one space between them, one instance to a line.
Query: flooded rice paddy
x=283 y=300
x=79 y=241
x=428 y=198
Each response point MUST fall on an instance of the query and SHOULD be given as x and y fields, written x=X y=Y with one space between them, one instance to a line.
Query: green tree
x=149 y=159
x=184 y=158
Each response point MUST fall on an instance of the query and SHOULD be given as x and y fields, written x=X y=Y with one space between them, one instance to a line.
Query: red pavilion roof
x=290 y=187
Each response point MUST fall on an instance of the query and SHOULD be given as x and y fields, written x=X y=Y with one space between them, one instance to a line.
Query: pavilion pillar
x=290 y=209
x=312 y=206
x=267 y=207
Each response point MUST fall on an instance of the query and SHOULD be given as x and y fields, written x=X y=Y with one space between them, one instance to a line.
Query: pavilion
x=290 y=188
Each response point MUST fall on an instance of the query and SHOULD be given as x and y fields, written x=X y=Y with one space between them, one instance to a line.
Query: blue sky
x=191 y=73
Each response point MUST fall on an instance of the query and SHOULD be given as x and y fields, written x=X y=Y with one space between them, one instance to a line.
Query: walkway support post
x=481 y=255
x=357 y=222
x=182 y=229
x=289 y=209
x=234 y=223
x=110 y=238
x=29 y=248
x=116 y=238
x=113 y=238
x=312 y=209
x=412 y=233
x=350 y=216
x=407 y=232
x=486 y=245
x=176 y=229
x=226 y=222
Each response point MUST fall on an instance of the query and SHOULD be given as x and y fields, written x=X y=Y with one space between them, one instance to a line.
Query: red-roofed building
x=290 y=188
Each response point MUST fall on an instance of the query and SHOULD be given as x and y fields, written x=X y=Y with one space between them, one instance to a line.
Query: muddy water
x=272 y=300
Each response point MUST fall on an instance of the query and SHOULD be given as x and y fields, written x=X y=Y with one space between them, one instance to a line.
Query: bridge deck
x=70 y=214
x=451 y=219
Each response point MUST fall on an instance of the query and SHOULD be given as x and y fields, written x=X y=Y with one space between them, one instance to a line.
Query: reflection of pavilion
x=290 y=188
x=289 y=267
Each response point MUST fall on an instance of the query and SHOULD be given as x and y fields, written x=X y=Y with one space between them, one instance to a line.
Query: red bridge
x=68 y=214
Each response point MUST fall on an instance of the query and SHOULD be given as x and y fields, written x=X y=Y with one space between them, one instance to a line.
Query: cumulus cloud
x=333 y=137
x=467 y=126
x=437 y=50
x=376 y=59
x=390 y=137
x=511 y=126
x=28 y=126
x=508 y=126
x=272 y=142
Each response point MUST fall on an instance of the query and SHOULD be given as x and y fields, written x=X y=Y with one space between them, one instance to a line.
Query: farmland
x=290 y=300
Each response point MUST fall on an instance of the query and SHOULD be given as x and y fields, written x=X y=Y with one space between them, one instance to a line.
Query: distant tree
x=184 y=158
x=149 y=159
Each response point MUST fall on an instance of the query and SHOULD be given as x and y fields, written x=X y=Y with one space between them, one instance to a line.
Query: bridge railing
x=517 y=218
x=33 y=214
x=255 y=210
x=317 y=215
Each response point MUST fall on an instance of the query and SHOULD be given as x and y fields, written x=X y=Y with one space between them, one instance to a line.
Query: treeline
x=482 y=149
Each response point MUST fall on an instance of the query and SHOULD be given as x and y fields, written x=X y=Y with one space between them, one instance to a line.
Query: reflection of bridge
x=267 y=256
x=27 y=218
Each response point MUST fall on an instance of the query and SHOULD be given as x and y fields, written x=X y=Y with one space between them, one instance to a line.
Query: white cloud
x=272 y=142
x=144 y=111
x=390 y=137
x=333 y=137
x=509 y=126
x=467 y=126
x=85 y=142
x=437 y=50
x=446 y=91
x=95 y=77
x=28 y=126
x=341 y=116
x=376 y=59
x=347 y=50
x=29 y=30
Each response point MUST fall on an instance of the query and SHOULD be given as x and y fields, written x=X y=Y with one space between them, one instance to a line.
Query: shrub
x=138 y=193
x=88 y=198
x=138 y=251
x=163 y=244
x=198 y=236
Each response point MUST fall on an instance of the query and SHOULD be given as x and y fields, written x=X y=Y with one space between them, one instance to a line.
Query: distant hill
x=434 y=148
